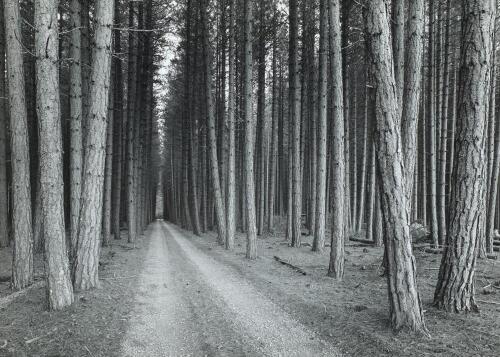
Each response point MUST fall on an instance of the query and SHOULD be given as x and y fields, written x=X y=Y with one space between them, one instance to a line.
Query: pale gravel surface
x=188 y=304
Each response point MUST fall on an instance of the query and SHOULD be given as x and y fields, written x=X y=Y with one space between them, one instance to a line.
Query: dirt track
x=188 y=304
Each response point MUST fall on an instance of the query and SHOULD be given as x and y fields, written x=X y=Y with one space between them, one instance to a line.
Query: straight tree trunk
x=231 y=107
x=412 y=92
x=87 y=259
x=321 y=211
x=398 y=46
x=108 y=171
x=59 y=289
x=4 y=201
x=455 y=288
x=118 y=154
x=251 y=250
x=131 y=90
x=296 y=216
x=404 y=301
x=336 y=267
x=75 y=98
x=273 y=165
x=22 y=264
x=219 y=203
x=431 y=118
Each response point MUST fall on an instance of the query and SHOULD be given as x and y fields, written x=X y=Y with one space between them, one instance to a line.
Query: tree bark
x=22 y=264
x=219 y=203
x=321 y=211
x=75 y=98
x=4 y=200
x=231 y=108
x=336 y=267
x=455 y=288
x=251 y=250
x=404 y=301
x=87 y=260
x=59 y=289
x=294 y=73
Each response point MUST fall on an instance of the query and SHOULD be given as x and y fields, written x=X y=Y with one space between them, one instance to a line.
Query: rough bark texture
x=455 y=289
x=398 y=45
x=231 y=107
x=336 y=267
x=131 y=79
x=89 y=233
x=251 y=251
x=214 y=166
x=412 y=91
x=4 y=207
x=76 y=104
x=404 y=301
x=22 y=265
x=59 y=289
x=319 y=232
x=295 y=119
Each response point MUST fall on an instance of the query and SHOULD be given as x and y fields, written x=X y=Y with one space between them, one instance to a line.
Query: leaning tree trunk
x=251 y=251
x=59 y=289
x=455 y=288
x=75 y=102
x=336 y=267
x=320 y=202
x=22 y=265
x=4 y=201
x=87 y=261
x=404 y=301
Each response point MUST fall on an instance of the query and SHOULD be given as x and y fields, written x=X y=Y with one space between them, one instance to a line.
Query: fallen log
x=284 y=262
x=8 y=299
x=364 y=241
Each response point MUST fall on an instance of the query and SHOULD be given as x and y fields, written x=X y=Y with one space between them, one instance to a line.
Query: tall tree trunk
x=455 y=288
x=22 y=265
x=75 y=98
x=412 y=92
x=443 y=147
x=108 y=171
x=336 y=267
x=273 y=165
x=219 y=203
x=231 y=108
x=321 y=211
x=296 y=216
x=118 y=153
x=251 y=251
x=4 y=197
x=59 y=289
x=398 y=46
x=431 y=119
x=131 y=90
x=87 y=260
x=404 y=301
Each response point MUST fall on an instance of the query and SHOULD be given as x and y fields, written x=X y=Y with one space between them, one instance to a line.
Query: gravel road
x=188 y=304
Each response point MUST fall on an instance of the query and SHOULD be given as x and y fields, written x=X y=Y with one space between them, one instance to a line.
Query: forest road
x=189 y=304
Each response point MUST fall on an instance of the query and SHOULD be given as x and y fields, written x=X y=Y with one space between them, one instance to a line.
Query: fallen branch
x=283 y=262
x=488 y=302
x=364 y=241
x=119 y=277
x=8 y=299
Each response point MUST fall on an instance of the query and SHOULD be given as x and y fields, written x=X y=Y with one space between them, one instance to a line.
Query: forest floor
x=174 y=294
